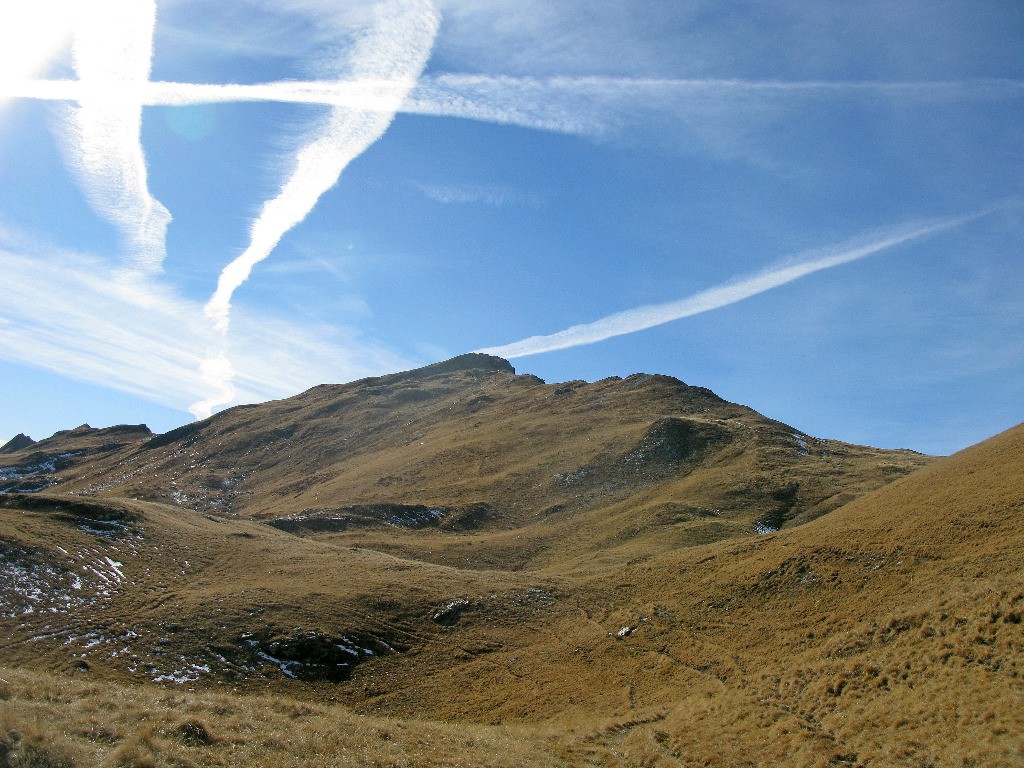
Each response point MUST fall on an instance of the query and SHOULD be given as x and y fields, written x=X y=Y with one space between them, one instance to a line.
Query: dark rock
x=18 y=443
x=313 y=655
x=468 y=518
x=449 y=615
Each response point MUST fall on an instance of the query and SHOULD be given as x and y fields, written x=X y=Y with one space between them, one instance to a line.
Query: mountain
x=466 y=566
x=467 y=444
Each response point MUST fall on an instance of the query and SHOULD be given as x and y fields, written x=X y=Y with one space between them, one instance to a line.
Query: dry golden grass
x=77 y=723
x=625 y=618
x=632 y=456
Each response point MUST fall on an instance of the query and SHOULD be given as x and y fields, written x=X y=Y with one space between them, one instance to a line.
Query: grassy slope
x=644 y=456
x=859 y=638
x=886 y=633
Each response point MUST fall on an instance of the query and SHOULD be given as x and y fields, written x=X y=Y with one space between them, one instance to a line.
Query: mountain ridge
x=463 y=433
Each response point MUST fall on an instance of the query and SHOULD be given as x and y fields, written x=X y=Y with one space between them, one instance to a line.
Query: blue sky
x=814 y=209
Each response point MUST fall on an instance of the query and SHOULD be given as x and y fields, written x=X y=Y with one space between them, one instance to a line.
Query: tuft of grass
x=131 y=755
x=24 y=745
x=195 y=733
x=145 y=728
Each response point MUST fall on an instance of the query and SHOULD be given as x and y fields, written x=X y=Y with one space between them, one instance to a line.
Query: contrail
x=592 y=105
x=396 y=50
x=27 y=44
x=112 y=57
x=112 y=53
x=650 y=315
x=560 y=104
x=440 y=94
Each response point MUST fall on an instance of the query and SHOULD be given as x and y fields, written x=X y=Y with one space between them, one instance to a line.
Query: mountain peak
x=468 y=362
x=17 y=443
x=476 y=362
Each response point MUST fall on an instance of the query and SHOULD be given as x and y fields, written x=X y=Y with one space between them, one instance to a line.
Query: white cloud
x=113 y=48
x=65 y=313
x=469 y=194
x=650 y=315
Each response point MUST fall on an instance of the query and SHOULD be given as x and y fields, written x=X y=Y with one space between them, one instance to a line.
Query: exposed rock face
x=411 y=516
x=313 y=655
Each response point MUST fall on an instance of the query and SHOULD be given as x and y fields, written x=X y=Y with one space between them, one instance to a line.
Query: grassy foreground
x=58 y=721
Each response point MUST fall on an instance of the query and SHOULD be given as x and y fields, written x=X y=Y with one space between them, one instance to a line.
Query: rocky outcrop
x=17 y=443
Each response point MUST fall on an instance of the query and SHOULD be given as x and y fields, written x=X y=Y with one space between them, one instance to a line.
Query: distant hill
x=628 y=572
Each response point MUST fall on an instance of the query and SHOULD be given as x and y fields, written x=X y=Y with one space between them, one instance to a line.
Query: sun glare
x=30 y=35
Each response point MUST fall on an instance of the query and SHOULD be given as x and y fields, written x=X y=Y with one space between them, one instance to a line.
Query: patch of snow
x=116 y=567
x=41 y=485
x=188 y=674
x=115 y=530
x=44 y=466
x=451 y=610
x=284 y=666
x=571 y=478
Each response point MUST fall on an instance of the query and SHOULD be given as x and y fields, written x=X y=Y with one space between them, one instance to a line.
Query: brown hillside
x=466 y=445
x=628 y=617
x=888 y=632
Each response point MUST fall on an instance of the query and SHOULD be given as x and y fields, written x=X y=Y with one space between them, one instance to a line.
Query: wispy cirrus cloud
x=468 y=194
x=112 y=51
x=65 y=312
x=797 y=266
